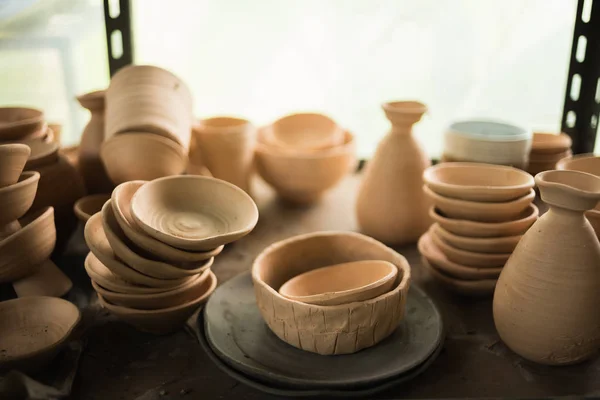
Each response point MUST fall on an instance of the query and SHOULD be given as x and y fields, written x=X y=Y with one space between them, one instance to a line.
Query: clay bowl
x=549 y=158
x=478 y=211
x=16 y=199
x=478 y=182
x=501 y=244
x=550 y=143
x=304 y=132
x=87 y=206
x=92 y=100
x=464 y=227
x=476 y=288
x=125 y=252
x=132 y=156
x=195 y=213
x=33 y=331
x=466 y=257
x=19 y=122
x=303 y=178
x=341 y=283
x=97 y=241
x=12 y=161
x=333 y=332
x=164 y=320
x=587 y=162
x=44 y=151
x=404 y=112
x=155 y=301
x=121 y=203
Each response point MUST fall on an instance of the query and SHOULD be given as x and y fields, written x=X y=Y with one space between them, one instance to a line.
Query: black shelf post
x=120 y=23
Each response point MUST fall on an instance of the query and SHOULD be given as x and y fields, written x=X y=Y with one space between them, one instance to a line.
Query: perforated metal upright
x=118 y=28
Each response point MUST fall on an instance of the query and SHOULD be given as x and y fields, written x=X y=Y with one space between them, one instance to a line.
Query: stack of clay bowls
x=486 y=141
x=546 y=150
x=153 y=243
x=303 y=155
x=148 y=123
x=480 y=213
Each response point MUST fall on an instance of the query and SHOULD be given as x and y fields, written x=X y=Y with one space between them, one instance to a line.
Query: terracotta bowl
x=121 y=203
x=19 y=122
x=587 y=162
x=165 y=320
x=16 y=199
x=304 y=132
x=12 y=161
x=404 y=112
x=333 y=332
x=550 y=143
x=33 y=330
x=143 y=156
x=476 y=288
x=87 y=206
x=44 y=151
x=478 y=211
x=501 y=244
x=304 y=178
x=126 y=252
x=478 y=182
x=464 y=227
x=548 y=158
x=194 y=213
x=468 y=258
x=341 y=283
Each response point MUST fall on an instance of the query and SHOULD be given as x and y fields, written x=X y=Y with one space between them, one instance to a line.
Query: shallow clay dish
x=501 y=244
x=16 y=199
x=47 y=280
x=33 y=329
x=164 y=320
x=483 y=287
x=478 y=211
x=550 y=143
x=12 y=161
x=478 y=182
x=304 y=132
x=194 y=213
x=587 y=162
x=468 y=258
x=341 y=283
x=87 y=206
x=19 y=122
x=121 y=203
x=341 y=329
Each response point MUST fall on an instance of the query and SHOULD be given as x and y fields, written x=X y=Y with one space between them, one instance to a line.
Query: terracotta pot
x=550 y=143
x=17 y=123
x=12 y=160
x=501 y=244
x=87 y=206
x=304 y=132
x=47 y=280
x=468 y=258
x=44 y=151
x=391 y=205
x=16 y=199
x=546 y=300
x=483 y=287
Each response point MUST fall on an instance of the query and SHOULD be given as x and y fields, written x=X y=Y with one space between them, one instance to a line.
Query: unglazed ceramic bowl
x=336 y=331
x=341 y=283
x=587 y=162
x=466 y=257
x=304 y=132
x=476 y=288
x=500 y=244
x=16 y=199
x=19 y=122
x=404 y=112
x=478 y=182
x=44 y=150
x=535 y=158
x=194 y=213
x=87 y=206
x=164 y=320
x=12 y=161
x=550 y=143
x=479 y=211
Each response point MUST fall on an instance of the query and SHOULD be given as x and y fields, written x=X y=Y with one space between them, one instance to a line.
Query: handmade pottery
x=33 y=330
x=16 y=199
x=12 y=160
x=391 y=205
x=478 y=182
x=478 y=211
x=303 y=178
x=500 y=244
x=227 y=148
x=593 y=216
x=19 y=122
x=548 y=158
x=304 y=132
x=547 y=296
x=194 y=213
x=44 y=151
x=341 y=283
x=341 y=329
x=164 y=320
x=482 y=287
x=550 y=143
x=133 y=156
x=47 y=280
x=56 y=129
x=587 y=162
x=468 y=258
x=87 y=206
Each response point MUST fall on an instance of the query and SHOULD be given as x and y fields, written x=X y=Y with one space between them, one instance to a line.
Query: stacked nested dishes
x=153 y=243
x=546 y=150
x=480 y=213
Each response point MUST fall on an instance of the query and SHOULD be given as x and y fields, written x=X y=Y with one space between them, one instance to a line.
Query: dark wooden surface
x=120 y=363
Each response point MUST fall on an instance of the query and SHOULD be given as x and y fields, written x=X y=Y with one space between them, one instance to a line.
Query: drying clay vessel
x=44 y=151
x=482 y=287
x=12 y=160
x=500 y=244
x=341 y=283
x=47 y=280
x=469 y=258
x=18 y=123
x=391 y=205
x=550 y=143
x=304 y=132
x=87 y=206
x=16 y=199
x=546 y=300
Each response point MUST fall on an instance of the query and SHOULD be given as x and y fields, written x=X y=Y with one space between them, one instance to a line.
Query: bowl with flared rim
x=16 y=199
x=476 y=288
x=87 y=206
x=12 y=161
x=499 y=244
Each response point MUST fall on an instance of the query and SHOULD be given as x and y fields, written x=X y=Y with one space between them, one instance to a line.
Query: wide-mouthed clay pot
x=341 y=283
x=165 y=320
x=546 y=300
x=12 y=160
x=478 y=182
x=16 y=199
x=19 y=122
x=194 y=213
x=550 y=143
x=478 y=211
x=87 y=206
x=44 y=151
x=481 y=287
x=121 y=204
x=468 y=258
x=47 y=280
x=304 y=132
x=500 y=244
x=341 y=329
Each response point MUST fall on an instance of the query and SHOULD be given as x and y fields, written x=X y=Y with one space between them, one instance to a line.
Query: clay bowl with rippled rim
x=501 y=244
x=478 y=211
x=195 y=213
x=19 y=122
x=142 y=156
x=16 y=199
x=468 y=258
x=478 y=182
x=87 y=206
x=550 y=143
x=341 y=283
x=155 y=301
x=164 y=320
x=97 y=241
x=475 y=288
x=126 y=252
x=304 y=132
x=33 y=330
x=12 y=161
x=155 y=249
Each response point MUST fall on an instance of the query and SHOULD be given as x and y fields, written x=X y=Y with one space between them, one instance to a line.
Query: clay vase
x=546 y=300
x=91 y=167
x=391 y=205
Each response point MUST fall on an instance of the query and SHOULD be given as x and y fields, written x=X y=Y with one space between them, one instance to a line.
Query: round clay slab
x=238 y=335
